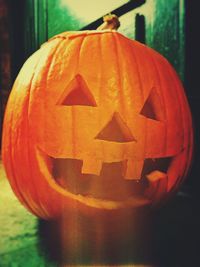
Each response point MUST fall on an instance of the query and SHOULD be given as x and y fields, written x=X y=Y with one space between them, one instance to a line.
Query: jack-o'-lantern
x=98 y=120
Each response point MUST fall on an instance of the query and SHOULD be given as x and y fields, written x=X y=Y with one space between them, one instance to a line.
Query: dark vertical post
x=140 y=28
x=16 y=18
x=192 y=83
x=5 y=58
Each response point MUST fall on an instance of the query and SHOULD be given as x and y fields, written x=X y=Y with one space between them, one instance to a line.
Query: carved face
x=109 y=121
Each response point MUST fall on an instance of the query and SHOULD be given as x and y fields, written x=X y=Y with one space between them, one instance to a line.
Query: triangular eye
x=116 y=130
x=77 y=93
x=152 y=108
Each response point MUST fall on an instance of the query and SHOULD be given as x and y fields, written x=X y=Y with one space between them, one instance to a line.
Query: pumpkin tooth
x=156 y=175
x=133 y=169
x=91 y=166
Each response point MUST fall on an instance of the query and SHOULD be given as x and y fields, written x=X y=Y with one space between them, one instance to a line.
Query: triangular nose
x=116 y=130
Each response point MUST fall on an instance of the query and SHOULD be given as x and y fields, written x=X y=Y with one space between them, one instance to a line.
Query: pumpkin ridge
x=174 y=92
x=72 y=35
x=74 y=143
x=9 y=170
x=182 y=100
x=23 y=199
x=101 y=75
x=29 y=144
x=46 y=79
x=151 y=53
x=171 y=183
x=134 y=55
x=117 y=52
x=184 y=105
x=118 y=66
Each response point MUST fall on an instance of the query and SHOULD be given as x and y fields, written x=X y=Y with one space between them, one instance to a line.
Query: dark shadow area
x=1 y=116
x=104 y=239
x=4 y=58
x=176 y=233
x=17 y=35
x=192 y=44
x=168 y=237
x=12 y=48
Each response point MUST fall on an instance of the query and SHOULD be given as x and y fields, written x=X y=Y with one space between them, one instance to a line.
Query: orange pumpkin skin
x=86 y=113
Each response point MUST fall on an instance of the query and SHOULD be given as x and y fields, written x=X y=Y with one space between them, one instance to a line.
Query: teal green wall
x=164 y=29
x=164 y=22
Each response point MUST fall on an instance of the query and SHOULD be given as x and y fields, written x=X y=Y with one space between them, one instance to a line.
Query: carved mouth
x=112 y=187
x=111 y=183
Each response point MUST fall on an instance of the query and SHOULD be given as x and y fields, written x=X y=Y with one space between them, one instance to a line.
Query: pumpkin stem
x=111 y=22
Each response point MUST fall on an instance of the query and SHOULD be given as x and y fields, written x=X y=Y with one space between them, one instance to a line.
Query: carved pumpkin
x=95 y=120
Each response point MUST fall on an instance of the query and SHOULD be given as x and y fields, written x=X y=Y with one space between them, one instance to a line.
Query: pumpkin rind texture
x=96 y=121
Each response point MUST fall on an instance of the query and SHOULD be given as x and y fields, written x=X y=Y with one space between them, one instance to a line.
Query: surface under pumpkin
x=95 y=120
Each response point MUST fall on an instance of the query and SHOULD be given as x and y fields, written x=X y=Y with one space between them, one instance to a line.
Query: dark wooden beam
x=118 y=11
